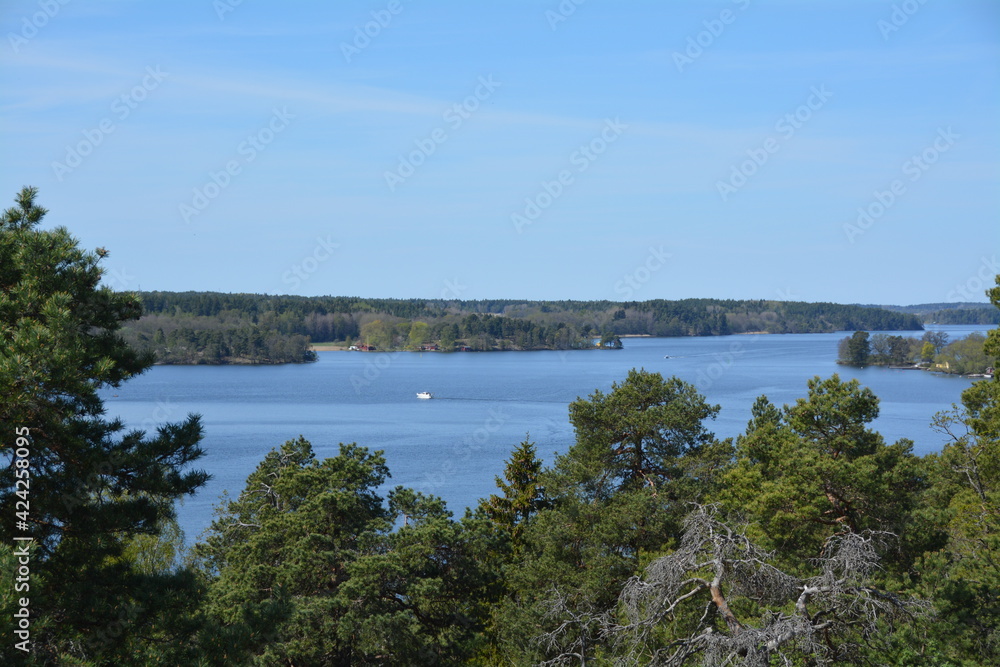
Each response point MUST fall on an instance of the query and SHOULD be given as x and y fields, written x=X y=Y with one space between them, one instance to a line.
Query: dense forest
x=806 y=540
x=210 y=327
x=963 y=316
x=950 y=312
x=209 y=340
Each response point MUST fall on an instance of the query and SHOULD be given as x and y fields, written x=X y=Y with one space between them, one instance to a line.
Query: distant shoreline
x=337 y=347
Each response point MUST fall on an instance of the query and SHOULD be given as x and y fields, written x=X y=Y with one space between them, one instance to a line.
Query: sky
x=582 y=149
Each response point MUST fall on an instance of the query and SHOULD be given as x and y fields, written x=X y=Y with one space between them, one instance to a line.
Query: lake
x=485 y=403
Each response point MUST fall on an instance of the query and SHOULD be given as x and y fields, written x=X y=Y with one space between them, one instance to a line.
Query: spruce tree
x=523 y=493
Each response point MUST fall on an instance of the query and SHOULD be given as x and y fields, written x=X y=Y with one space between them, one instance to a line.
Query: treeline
x=965 y=356
x=951 y=313
x=988 y=316
x=711 y=317
x=491 y=324
x=206 y=340
x=472 y=332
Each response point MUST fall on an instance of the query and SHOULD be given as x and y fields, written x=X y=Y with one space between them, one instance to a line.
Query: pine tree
x=91 y=485
x=815 y=469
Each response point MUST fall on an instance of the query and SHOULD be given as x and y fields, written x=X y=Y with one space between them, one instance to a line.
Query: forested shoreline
x=213 y=328
x=959 y=312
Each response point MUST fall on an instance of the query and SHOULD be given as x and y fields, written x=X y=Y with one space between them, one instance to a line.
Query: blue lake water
x=485 y=403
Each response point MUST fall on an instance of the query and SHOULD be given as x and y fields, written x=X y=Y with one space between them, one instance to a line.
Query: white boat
x=424 y=394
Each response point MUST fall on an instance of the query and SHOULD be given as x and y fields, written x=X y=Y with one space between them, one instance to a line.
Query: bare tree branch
x=719 y=563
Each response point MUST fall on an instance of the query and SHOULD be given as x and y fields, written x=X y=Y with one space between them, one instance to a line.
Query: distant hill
x=330 y=318
x=965 y=312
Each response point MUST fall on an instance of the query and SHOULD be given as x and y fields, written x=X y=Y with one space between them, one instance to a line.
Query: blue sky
x=844 y=151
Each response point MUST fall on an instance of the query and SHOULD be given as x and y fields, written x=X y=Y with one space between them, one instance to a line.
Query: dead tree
x=577 y=634
x=823 y=617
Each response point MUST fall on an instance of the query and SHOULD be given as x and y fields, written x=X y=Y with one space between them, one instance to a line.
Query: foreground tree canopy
x=93 y=488
x=807 y=540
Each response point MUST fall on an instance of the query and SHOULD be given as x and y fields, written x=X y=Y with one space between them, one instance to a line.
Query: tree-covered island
x=214 y=328
x=933 y=352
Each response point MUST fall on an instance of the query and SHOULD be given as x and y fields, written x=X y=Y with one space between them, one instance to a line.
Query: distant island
x=932 y=352
x=219 y=328
x=961 y=312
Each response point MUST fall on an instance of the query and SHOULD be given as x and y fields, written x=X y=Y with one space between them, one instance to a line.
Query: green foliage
x=448 y=337
x=963 y=356
x=524 y=493
x=635 y=435
x=618 y=496
x=893 y=350
x=378 y=334
x=255 y=328
x=229 y=337
x=97 y=491
x=423 y=596
x=855 y=350
x=936 y=338
x=966 y=355
x=278 y=554
x=963 y=577
x=304 y=568
x=953 y=315
x=814 y=470
x=575 y=558
x=611 y=341
x=418 y=335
